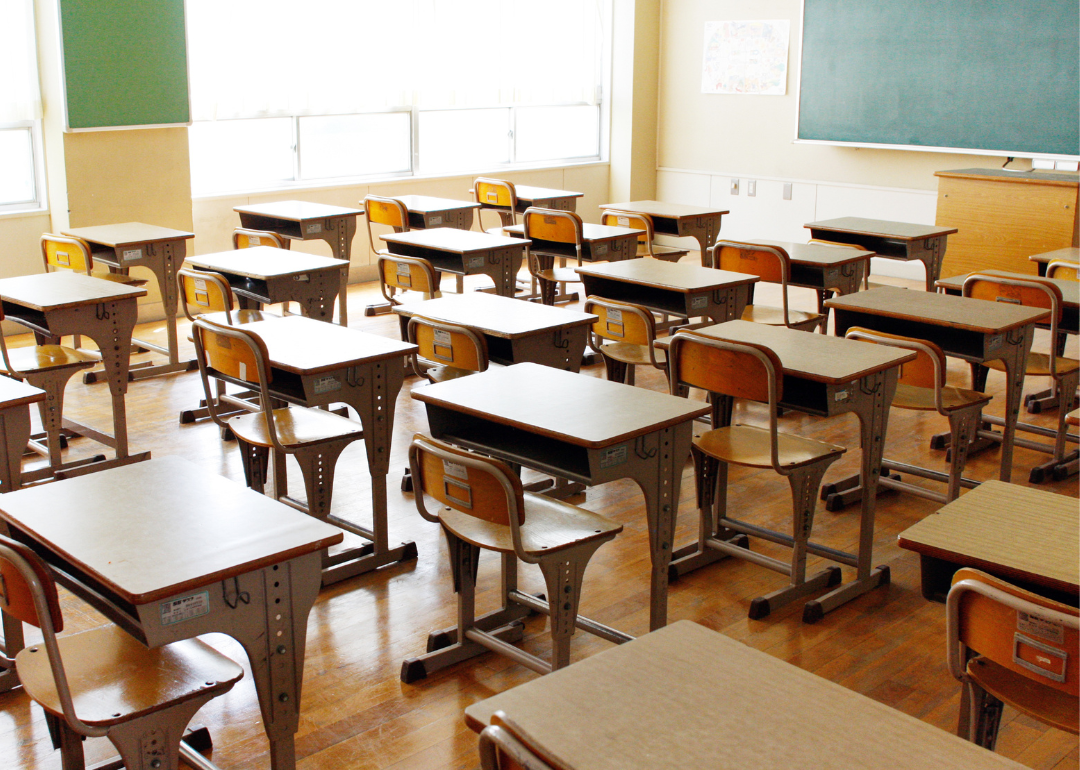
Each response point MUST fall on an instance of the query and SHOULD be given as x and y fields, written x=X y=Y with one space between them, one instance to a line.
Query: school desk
x=822 y=267
x=159 y=249
x=1022 y=535
x=514 y=331
x=539 y=197
x=198 y=554
x=892 y=240
x=688 y=697
x=303 y=221
x=1043 y=260
x=697 y=222
x=426 y=212
x=55 y=305
x=971 y=329
x=524 y=414
x=265 y=275
x=463 y=252
x=318 y=364
x=671 y=288
x=15 y=399
x=599 y=243
x=825 y=376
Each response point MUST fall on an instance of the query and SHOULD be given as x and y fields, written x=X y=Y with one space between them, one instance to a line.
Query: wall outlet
x=751 y=188
x=734 y=186
x=787 y=191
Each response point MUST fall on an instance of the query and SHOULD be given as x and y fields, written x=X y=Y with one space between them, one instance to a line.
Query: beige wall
x=752 y=135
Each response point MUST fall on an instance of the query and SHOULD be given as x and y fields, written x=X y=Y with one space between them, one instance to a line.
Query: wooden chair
x=1064 y=373
x=65 y=253
x=646 y=247
x=1059 y=270
x=48 y=367
x=555 y=227
x=772 y=264
x=445 y=351
x=1063 y=271
x=922 y=387
x=630 y=331
x=497 y=194
x=505 y=746
x=242 y=238
x=103 y=683
x=1010 y=646
x=486 y=507
x=212 y=298
x=314 y=436
x=736 y=370
x=866 y=276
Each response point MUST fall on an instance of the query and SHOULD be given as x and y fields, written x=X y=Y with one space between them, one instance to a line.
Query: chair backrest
x=1063 y=271
x=468 y=483
x=495 y=193
x=397 y=273
x=621 y=321
x=1029 y=292
x=381 y=210
x=447 y=344
x=505 y=746
x=553 y=225
x=769 y=263
x=206 y=291
x=636 y=220
x=729 y=368
x=926 y=371
x=66 y=253
x=243 y=238
x=1023 y=632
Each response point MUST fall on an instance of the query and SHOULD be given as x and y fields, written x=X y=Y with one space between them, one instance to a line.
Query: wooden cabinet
x=1004 y=217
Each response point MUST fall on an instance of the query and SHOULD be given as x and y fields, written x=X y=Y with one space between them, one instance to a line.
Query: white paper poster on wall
x=745 y=57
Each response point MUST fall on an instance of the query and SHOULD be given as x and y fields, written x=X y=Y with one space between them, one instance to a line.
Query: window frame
x=36 y=204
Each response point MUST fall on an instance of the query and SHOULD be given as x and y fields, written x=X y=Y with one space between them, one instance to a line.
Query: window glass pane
x=17 y=164
x=550 y=133
x=457 y=140
x=239 y=154
x=355 y=145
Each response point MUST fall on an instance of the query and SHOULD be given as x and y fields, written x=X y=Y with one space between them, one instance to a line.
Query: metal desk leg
x=1018 y=344
x=338 y=233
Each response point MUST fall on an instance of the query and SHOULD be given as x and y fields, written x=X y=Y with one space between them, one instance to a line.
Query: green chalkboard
x=125 y=63
x=994 y=75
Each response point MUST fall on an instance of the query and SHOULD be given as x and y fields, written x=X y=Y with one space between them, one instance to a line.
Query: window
x=286 y=93
x=21 y=161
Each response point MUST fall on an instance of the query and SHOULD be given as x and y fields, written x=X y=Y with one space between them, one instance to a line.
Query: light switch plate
x=787 y=191
x=751 y=188
x=734 y=186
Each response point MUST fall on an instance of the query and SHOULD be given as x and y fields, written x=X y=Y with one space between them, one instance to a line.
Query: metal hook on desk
x=641 y=451
x=352 y=379
x=562 y=341
x=868 y=390
x=101 y=313
x=237 y=597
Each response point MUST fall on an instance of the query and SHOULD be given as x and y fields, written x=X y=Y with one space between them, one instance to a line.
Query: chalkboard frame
x=124 y=64
x=801 y=127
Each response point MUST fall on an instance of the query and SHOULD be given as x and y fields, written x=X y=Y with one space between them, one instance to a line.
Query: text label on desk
x=188 y=608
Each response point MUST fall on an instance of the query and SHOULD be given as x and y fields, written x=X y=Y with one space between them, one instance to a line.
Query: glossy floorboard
x=356 y=714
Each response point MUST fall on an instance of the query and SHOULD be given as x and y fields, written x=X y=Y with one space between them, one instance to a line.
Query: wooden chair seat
x=126 y=280
x=751 y=446
x=550 y=525
x=446 y=373
x=31 y=360
x=559 y=274
x=1073 y=417
x=1038 y=365
x=922 y=399
x=631 y=354
x=296 y=427
x=114 y=678
x=1055 y=708
x=665 y=253
x=774 y=316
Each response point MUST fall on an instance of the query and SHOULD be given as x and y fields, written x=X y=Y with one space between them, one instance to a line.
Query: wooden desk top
x=818 y=357
x=126 y=233
x=306 y=346
x=816 y=254
x=1070 y=290
x=1026 y=532
x=496 y=316
x=297 y=211
x=161 y=527
x=589 y=232
x=1071 y=254
x=665 y=210
x=55 y=291
x=1005 y=175
x=452 y=240
x=900 y=231
x=17 y=393
x=424 y=204
x=942 y=309
x=685 y=696
x=594 y=413
x=673 y=276
x=262 y=262
x=526 y=192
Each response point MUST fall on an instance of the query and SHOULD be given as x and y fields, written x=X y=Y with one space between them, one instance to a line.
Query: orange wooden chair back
x=246 y=239
x=16 y=593
x=66 y=253
x=496 y=193
x=232 y=352
x=771 y=265
x=386 y=211
x=621 y=321
x=1063 y=271
x=554 y=226
x=635 y=220
x=209 y=292
x=719 y=366
x=448 y=344
x=1029 y=292
x=407 y=273
x=466 y=482
x=920 y=373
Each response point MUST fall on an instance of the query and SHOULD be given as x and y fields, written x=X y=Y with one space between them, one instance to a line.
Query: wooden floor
x=356 y=713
